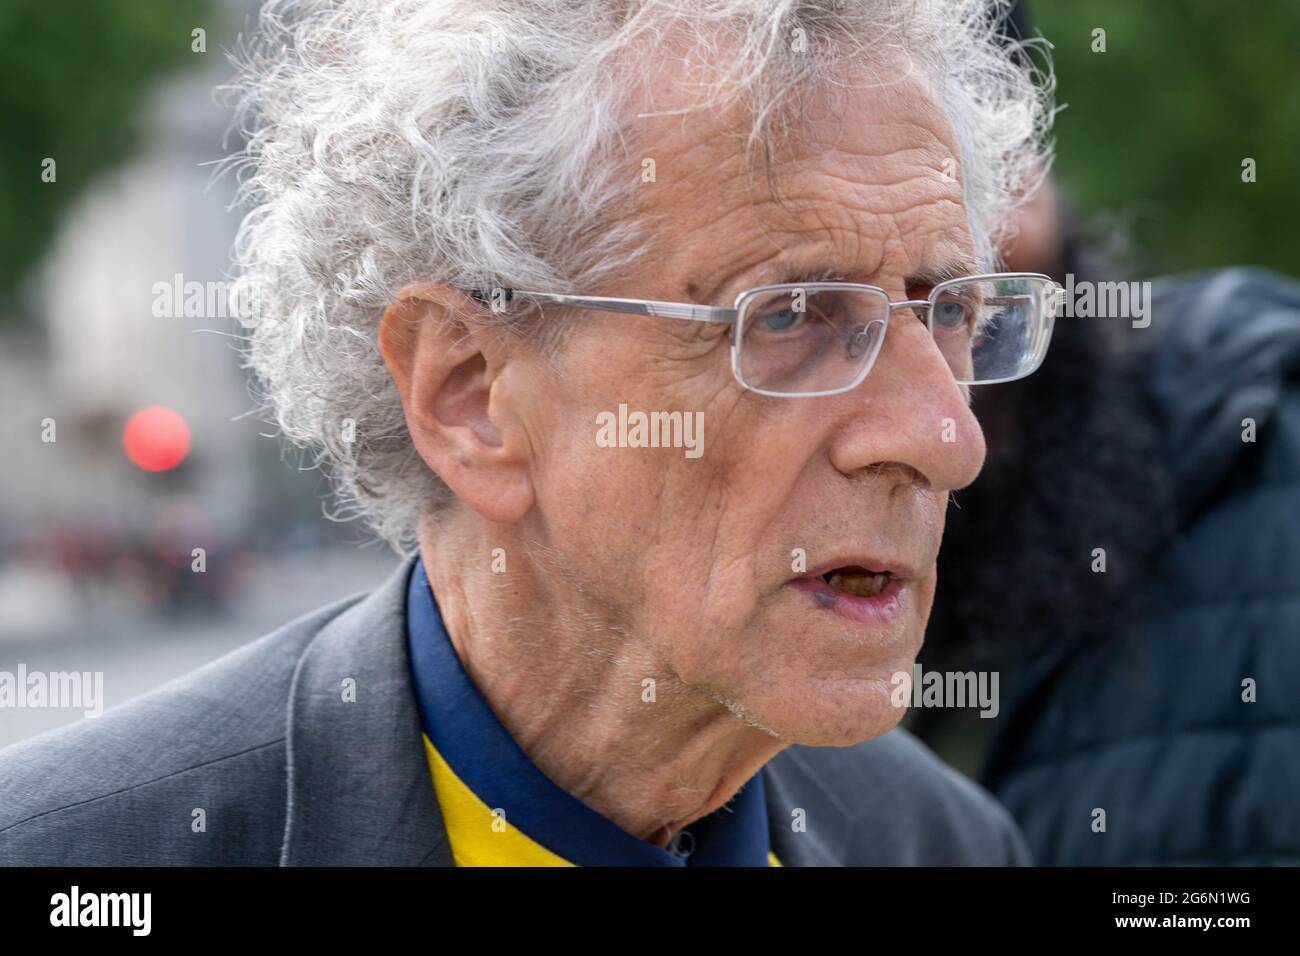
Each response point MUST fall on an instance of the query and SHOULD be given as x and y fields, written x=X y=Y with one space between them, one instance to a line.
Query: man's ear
x=447 y=365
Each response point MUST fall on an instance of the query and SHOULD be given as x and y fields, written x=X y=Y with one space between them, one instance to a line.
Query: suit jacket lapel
x=796 y=796
x=359 y=791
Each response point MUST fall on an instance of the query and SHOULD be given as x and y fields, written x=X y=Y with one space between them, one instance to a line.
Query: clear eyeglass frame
x=1050 y=299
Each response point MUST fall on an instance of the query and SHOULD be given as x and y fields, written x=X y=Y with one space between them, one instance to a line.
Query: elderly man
x=646 y=330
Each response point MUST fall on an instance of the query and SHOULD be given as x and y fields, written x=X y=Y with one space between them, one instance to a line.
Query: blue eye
x=782 y=320
x=950 y=314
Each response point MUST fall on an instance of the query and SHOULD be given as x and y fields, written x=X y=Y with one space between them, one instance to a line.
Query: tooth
x=870 y=585
x=861 y=585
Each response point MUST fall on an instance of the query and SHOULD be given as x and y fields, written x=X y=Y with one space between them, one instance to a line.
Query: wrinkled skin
x=633 y=564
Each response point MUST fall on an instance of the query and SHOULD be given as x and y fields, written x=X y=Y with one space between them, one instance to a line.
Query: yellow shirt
x=480 y=837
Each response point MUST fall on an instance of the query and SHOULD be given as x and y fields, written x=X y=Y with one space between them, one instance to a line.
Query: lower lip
x=882 y=610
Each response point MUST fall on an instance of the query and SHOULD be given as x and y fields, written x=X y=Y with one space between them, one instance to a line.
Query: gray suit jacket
x=285 y=772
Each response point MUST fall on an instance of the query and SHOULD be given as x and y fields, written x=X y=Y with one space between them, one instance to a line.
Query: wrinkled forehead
x=859 y=174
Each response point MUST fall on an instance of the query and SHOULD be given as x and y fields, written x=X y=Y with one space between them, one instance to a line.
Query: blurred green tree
x=1154 y=134
x=73 y=75
x=1156 y=128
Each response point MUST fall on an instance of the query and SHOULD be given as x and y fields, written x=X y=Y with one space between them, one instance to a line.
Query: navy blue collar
x=464 y=730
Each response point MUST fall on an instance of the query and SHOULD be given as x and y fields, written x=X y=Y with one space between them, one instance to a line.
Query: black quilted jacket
x=1155 y=730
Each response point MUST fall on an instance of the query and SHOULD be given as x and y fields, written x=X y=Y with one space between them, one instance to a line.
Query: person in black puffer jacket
x=1186 y=729
x=1149 y=714
x=1165 y=692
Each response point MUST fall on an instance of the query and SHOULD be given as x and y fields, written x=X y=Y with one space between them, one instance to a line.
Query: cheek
x=680 y=549
x=633 y=522
x=565 y=399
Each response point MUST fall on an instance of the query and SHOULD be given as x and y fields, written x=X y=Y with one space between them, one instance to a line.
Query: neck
x=567 y=679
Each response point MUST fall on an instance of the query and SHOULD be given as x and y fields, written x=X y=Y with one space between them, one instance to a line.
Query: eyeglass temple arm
x=663 y=310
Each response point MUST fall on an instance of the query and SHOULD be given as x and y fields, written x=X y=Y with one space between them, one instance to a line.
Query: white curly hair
x=472 y=142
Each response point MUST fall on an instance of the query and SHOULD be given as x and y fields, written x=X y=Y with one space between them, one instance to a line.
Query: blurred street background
x=97 y=552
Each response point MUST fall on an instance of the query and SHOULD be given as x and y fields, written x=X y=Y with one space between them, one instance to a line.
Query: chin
x=827 y=713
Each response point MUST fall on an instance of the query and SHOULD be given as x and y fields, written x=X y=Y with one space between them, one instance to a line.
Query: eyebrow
x=949 y=261
x=954 y=268
x=929 y=274
x=795 y=274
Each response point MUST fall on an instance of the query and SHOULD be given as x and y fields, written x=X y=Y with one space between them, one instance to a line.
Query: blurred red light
x=156 y=438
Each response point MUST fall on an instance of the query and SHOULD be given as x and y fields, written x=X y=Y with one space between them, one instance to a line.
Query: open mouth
x=862 y=594
x=858 y=581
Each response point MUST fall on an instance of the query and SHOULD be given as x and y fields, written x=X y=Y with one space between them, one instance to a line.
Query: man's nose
x=910 y=410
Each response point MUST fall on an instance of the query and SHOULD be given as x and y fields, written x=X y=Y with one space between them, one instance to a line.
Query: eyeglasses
x=822 y=338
